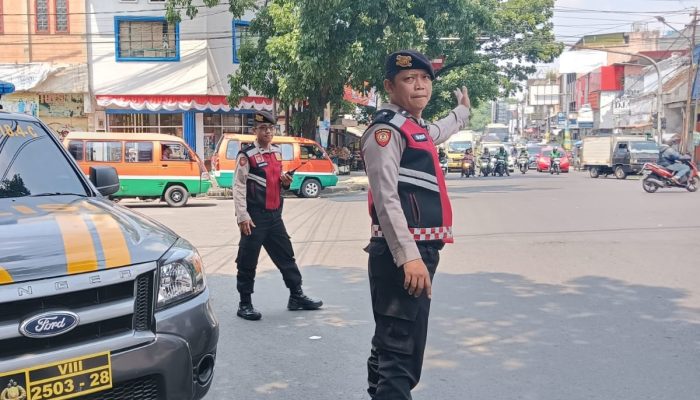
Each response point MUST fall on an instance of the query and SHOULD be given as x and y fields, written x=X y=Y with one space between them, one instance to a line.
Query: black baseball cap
x=405 y=60
x=262 y=117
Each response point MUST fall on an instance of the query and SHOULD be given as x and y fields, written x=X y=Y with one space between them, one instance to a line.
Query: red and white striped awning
x=181 y=103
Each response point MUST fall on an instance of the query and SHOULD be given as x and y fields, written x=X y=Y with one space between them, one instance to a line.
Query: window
x=622 y=146
x=146 y=39
x=174 y=152
x=75 y=148
x=42 y=16
x=62 y=25
x=287 y=151
x=232 y=149
x=20 y=173
x=104 y=151
x=240 y=34
x=217 y=124
x=138 y=152
x=170 y=124
x=310 y=152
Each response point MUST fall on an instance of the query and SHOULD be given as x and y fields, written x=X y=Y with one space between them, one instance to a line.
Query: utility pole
x=689 y=128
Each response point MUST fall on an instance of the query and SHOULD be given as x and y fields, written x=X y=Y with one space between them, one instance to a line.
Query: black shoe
x=246 y=311
x=299 y=301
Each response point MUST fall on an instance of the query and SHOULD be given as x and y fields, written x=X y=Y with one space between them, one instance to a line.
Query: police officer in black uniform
x=257 y=195
x=411 y=220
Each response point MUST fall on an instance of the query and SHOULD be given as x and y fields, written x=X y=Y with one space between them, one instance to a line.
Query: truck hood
x=47 y=237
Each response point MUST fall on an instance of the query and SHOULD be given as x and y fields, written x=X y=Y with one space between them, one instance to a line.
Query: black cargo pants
x=270 y=233
x=401 y=325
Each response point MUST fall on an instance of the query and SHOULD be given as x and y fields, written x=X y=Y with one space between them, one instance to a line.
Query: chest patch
x=419 y=137
x=382 y=136
x=259 y=159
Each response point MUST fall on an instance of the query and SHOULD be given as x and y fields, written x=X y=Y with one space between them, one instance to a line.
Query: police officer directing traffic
x=411 y=220
x=258 y=200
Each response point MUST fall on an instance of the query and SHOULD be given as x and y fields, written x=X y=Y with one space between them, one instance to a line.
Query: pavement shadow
x=492 y=336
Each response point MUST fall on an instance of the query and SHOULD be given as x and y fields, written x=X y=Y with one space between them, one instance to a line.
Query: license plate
x=65 y=379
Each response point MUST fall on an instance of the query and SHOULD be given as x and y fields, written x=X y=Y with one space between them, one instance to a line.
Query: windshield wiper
x=57 y=194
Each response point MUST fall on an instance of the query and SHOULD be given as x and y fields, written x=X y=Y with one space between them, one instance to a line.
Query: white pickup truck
x=618 y=155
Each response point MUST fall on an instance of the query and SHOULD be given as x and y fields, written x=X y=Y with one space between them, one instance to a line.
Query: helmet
x=555 y=148
x=501 y=148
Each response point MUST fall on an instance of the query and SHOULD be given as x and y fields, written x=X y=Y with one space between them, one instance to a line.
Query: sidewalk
x=355 y=182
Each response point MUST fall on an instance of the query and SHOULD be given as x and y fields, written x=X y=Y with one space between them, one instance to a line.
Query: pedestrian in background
x=411 y=220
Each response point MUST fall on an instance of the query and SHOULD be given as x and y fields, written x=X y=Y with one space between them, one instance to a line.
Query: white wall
x=206 y=53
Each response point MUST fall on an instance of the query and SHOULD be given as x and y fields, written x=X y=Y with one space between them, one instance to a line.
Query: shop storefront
x=199 y=120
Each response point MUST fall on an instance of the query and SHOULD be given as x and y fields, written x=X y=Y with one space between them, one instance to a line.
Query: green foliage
x=306 y=51
x=480 y=117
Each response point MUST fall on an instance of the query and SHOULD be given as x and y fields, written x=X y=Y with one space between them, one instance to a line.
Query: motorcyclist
x=524 y=153
x=467 y=159
x=502 y=154
x=555 y=154
x=670 y=159
x=486 y=156
x=441 y=154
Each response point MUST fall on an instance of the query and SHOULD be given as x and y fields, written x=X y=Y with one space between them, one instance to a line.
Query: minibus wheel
x=310 y=188
x=176 y=196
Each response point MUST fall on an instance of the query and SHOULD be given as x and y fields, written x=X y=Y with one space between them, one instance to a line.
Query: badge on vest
x=382 y=136
x=259 y=159
x=419 y=137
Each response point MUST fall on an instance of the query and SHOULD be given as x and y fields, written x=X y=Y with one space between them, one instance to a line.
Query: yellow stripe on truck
x=78 y=244
x=5 y=276
x=114 y=247
x=24 y=210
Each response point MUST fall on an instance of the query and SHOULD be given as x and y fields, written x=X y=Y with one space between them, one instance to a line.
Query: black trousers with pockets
x=401 y=325
x=270 y=233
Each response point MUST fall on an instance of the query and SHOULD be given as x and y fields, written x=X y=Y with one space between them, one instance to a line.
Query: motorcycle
x=523 y=164
x=467 y=169
x=556 y=166
x=656 y=176
x=444 y=164
x=485 y=166
x=500 y=167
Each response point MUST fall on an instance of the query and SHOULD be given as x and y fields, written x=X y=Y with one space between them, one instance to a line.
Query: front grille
x=146 y=388
x=140 y=290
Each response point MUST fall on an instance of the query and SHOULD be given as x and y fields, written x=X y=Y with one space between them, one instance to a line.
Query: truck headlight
x=180 y=274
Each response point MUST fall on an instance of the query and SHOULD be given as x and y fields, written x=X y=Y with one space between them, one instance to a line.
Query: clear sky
x=576 y=18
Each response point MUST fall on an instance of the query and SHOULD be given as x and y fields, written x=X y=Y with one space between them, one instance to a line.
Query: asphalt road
x=557 y=288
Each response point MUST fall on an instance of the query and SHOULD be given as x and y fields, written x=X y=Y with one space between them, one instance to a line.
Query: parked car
x=315 y=170
x=543 y=160
x=96 y=301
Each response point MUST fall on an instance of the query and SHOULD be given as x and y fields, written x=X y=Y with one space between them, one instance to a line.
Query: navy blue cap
x=404 y=60
x=262 y=117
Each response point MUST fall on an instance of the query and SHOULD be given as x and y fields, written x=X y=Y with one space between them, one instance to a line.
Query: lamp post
x=659 y=89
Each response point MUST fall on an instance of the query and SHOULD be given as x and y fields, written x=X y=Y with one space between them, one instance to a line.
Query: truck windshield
x=32 y=164
x=646 y=147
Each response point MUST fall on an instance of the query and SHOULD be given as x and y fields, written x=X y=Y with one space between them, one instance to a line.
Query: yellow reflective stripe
x=114 y=247
x=24 y=210
x=5 y=276
x=58 y=208
x=5 y=214
x=78 y=244
x=90 y=207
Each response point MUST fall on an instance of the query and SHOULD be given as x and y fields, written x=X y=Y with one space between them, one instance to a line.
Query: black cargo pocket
x=394 y=334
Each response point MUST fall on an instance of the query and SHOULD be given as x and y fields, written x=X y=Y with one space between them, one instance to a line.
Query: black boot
x=299 y=301
x=246 y=311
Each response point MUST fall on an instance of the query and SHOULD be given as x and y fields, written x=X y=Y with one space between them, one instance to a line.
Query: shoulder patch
x=382 y=136
x=243 y=161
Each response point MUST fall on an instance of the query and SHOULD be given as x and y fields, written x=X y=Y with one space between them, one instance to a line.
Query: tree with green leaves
x=304 y=52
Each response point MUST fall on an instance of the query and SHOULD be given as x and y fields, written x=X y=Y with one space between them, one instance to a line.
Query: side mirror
x=105 y=179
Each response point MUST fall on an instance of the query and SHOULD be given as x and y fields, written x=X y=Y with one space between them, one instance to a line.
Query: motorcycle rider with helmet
x=670 y=159
x=502 y=154
x=467 y=159
x=555 y=154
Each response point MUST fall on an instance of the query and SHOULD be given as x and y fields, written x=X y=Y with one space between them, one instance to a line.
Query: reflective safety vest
x=422 y=188
x=263 y=186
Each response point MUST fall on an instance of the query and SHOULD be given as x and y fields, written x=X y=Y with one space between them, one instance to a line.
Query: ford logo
x=49 y=324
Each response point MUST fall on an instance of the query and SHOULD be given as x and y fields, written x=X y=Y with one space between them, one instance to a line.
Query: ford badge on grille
x=49 y=324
